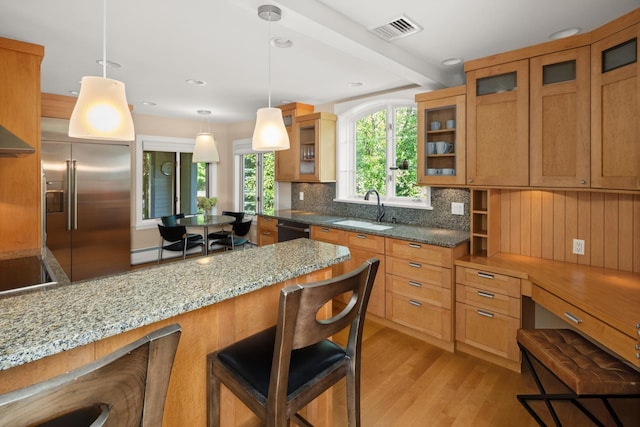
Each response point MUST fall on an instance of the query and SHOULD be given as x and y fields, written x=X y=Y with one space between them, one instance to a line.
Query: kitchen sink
x=363 y=224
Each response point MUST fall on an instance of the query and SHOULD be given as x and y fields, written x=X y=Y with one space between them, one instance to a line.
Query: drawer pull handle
x=485 y=275
x=485 y=294
x=416 y=303
x=485 y=313
x=325 y=229
x=362 y=236
x=571 y=317
x=415 y=245
x=416 y=284
x=638 y=347
x=266 y=233
x=415 y=265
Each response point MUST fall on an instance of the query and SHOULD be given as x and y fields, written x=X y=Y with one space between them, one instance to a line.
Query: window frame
x=348 y=115
x=171 y=145
x=242 y=147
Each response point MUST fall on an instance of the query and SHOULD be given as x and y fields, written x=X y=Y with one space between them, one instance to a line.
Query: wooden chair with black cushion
x=175 y=239
x=126 y=388
x=280 y=370
x=172 y=221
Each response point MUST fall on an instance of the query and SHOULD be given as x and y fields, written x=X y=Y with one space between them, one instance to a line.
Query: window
x=167 y=182
x=378 y=150
x=255 y=182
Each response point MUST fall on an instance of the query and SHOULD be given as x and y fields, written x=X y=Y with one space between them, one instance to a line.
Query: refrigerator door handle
x=74 y=192
x=69 y=191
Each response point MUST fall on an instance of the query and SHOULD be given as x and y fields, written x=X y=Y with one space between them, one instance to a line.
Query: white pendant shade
x=270 y=133
x=101 y=111
x=205 y=150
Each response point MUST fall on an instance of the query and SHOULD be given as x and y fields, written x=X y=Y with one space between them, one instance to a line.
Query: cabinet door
x=615 y=99
x=560 y=116
x=498 y=125
x=267 y=237
x=316 y=156
x=286 y=160
x=442 y=146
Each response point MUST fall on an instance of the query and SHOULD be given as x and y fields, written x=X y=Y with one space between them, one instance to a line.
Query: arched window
x=377 y=149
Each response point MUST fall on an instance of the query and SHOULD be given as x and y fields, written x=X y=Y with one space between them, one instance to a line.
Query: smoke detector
x=396 y=29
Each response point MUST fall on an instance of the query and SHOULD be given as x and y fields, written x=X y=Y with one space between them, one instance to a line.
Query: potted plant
x=206 y=204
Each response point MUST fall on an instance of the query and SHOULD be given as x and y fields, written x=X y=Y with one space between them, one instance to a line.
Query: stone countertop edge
x=38 y=324
x=415 y=233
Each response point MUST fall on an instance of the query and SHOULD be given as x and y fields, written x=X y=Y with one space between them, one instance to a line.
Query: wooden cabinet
x=20 y=215
x=267 y=230
x=316 y=157
x=615 y=107
x=286 y=158
x=485 y=221
x=498 y=125
x=420 y=287
x=362 y=247
x=560 y=142
x=442 y=146
x=488 y=312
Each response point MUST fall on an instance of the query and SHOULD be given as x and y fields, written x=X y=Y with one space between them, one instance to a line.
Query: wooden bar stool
x=586 y=370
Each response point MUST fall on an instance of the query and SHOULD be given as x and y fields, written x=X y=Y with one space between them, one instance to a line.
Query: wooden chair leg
x=353 y=400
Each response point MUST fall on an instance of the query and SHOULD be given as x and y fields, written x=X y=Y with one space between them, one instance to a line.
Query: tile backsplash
x=320 y=198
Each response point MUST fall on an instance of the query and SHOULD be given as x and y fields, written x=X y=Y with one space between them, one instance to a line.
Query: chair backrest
x=242 y=228
x=173 y=234
x=298 y=324
x=237 y=215
x=171 y=220
x=129 y=384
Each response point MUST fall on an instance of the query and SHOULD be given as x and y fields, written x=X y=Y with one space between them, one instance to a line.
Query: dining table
x=205 y=221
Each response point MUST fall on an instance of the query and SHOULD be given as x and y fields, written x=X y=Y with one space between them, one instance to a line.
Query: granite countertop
x=44 y=322
x=429 y=235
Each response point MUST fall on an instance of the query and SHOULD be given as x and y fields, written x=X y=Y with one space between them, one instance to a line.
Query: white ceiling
x=162 y=43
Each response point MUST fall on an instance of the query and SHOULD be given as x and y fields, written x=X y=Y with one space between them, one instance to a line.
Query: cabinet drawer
x=426 y=318
x=364 y=241
x=328 y=234
x=487 y=281
x=419 y=252
x=600 y=331
x=421 y=272
x=489 y=331
x=422 y=291
x=267 y=223
x=483 y=299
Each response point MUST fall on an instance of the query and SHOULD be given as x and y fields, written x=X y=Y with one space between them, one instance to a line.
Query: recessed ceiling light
x=74 y=92
x=355 y=84
x=196 y=82
x=149 y=103
x=111 y=64
x=281 y=43
x=451 y=61
x=204 y=112
x=286 y=101
x=567 y=32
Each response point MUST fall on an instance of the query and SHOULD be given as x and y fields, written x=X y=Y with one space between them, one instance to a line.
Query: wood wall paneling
x=543 y=224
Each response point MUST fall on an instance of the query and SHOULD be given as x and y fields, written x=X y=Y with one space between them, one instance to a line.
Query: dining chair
x=172 y=221
x=225 y=234
x=126 y=388
x=237 y=236
x=175 y=239
x=279 y=370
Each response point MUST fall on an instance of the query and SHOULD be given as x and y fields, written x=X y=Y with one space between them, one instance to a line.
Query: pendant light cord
x=104 y=40
x=269 y=56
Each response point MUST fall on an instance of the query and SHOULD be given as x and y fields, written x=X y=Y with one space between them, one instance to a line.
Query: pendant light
x=102 y=111
x=205 y=150
x=270 y=133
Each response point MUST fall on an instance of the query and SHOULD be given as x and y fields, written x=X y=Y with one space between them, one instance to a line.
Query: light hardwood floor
x=407 y=382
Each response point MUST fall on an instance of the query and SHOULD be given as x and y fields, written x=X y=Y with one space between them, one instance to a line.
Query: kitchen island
x=216 y=300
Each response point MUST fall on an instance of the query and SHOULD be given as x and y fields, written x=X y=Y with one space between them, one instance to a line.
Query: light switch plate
x=457 y=208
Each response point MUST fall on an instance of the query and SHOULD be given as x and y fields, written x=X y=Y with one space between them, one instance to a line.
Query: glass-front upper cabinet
x=441 y=136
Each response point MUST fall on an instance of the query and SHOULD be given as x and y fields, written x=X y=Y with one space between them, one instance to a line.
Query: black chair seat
x=251 y=358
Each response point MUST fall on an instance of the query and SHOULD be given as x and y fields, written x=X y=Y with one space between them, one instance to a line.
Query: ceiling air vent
x=396 y=29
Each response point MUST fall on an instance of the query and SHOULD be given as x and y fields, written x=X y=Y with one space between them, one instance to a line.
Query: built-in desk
x=217 y=300
x=602 y=303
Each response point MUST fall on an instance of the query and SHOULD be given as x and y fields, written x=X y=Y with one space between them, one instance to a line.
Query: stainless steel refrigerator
x=87 y=206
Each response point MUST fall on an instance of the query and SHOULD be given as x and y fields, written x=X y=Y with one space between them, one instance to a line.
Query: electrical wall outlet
x=578 y=247
x=302 y=195
x=457 y=208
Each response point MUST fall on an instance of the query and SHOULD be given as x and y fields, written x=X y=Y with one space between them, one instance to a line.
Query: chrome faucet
x=380 y=213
